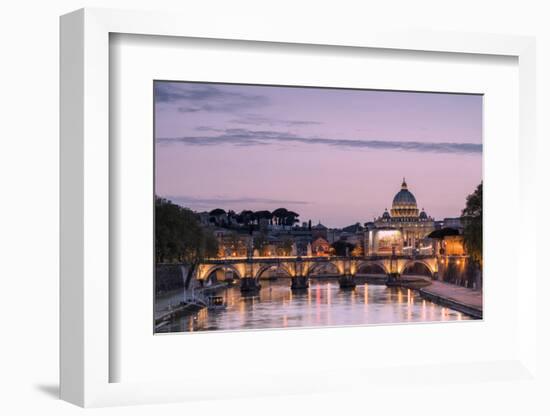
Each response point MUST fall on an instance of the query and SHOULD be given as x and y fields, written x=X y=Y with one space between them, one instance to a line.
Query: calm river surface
x=323 y=304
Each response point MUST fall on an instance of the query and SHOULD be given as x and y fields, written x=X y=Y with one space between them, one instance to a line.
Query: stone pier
x=299 y=283
x=393 y=279
x=347 y=282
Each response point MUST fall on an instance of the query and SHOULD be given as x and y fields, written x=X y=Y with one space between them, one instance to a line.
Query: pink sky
x=332 y=155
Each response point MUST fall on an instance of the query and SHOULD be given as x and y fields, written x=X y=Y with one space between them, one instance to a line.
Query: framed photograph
x=262 y=200
x=270 y=212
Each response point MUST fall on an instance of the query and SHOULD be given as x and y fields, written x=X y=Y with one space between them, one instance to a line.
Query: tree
x=279 y=215
x=472 y=219
x=232 y=216
x=217 y=212
x=216 y=216
x=245 y=217
x=342 y=248
x=291 y=218
x=263 y=215
x=179 y=237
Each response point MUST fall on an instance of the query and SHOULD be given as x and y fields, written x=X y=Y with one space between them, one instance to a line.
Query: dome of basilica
x=404 y=203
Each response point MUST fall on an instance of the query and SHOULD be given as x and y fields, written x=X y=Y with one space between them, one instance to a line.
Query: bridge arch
x=276 y=267
x=215 y=267
x=316 y=267
x=372 y=268
x=417 y=267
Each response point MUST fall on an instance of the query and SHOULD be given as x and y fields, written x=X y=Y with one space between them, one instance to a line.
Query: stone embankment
x=459 y=298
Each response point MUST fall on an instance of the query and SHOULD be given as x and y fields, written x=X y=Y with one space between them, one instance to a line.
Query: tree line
x=472 y=220
x=280 y=216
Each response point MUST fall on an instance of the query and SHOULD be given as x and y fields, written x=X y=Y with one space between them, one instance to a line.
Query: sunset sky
x=332 y=155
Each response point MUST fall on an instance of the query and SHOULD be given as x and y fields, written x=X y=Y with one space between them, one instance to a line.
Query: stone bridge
x=300 y=268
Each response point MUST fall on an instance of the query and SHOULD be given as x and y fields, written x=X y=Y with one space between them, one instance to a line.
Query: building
x=319 y=230
x=232 y=243
x=453 y=245
x=320 y=247
x=384 y=241
x=413 y=226
x=455 y=223
x=333 y=234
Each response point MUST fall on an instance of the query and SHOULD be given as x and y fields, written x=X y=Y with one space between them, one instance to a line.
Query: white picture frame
x=86 y=217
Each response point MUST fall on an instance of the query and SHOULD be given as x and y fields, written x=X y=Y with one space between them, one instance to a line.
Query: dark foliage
x=472 y=219
x=179 y=236
x=342 y=248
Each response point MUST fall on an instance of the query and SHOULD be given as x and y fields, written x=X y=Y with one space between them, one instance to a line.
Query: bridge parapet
x=304 y=266
x=277 y=259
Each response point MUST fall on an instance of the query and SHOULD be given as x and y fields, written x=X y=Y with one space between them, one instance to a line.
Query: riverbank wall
x=168 y=277
x=461 y=299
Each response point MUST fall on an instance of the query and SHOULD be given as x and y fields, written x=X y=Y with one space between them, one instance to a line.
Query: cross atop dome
x=404 y=184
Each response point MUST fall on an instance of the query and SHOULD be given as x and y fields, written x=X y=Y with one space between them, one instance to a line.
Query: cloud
x=245 y=137
x=256 y=119
x=192 y=98
x=220 y=201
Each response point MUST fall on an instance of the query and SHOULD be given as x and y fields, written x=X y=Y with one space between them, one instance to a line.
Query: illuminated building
x=385 y=241
x=413 y=226
x=320 y=247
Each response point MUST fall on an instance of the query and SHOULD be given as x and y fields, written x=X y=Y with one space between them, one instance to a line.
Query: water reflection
x=323 y=304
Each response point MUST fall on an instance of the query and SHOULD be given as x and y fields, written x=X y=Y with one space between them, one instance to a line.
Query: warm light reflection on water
x=323 y=304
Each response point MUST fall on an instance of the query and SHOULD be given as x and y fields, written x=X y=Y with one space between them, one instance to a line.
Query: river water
x=323 y=304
